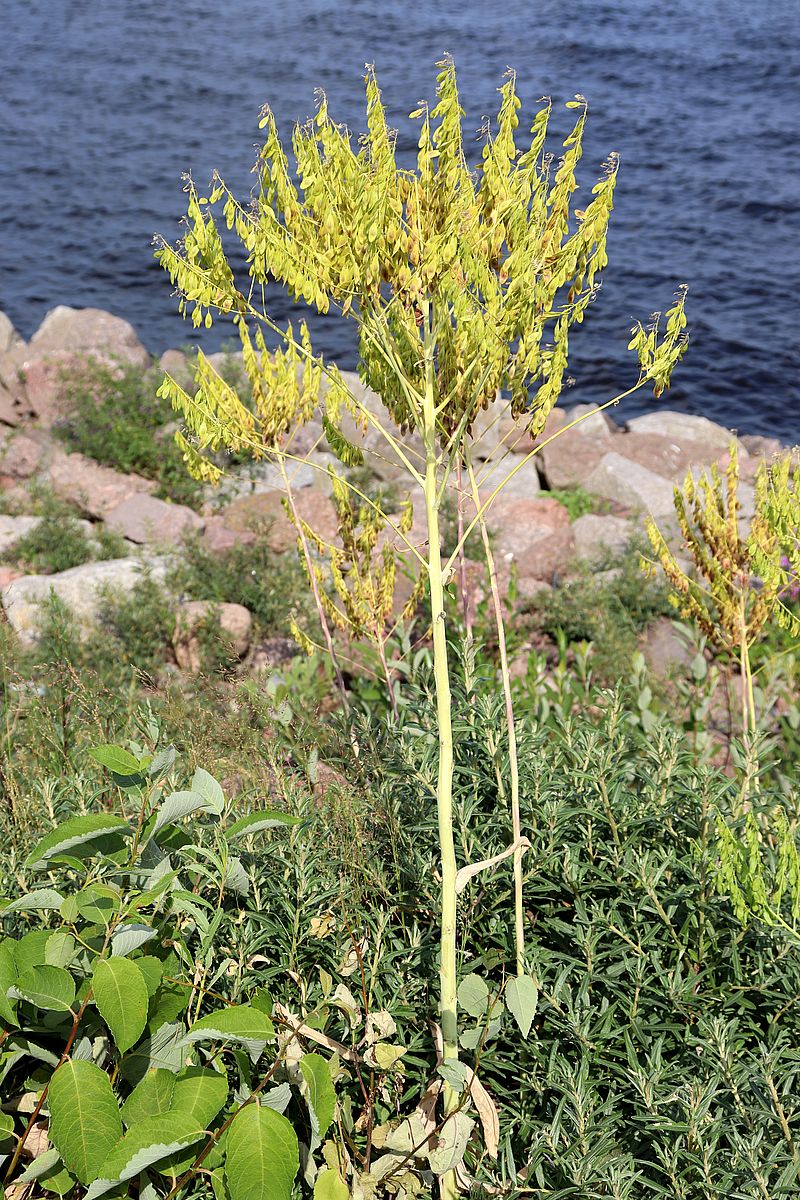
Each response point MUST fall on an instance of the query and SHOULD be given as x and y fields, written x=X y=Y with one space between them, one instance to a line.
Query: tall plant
x=462 y=284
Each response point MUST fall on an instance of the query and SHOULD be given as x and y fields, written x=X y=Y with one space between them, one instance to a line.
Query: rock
x=14 y=528
x=218 y=537
x=93 y=488
x=495 y=432
x=569 y=461
x=8 y=575
x=664 y=648
x=683 y=427
x=9 y=338
x=273 y=653
x=177 y=364
x=143 y=519
x=21 y=455
x=265 y=511
x=626 y=482
x=524 y=484
x=235 y=625
x=592 y=422
x=761 y=447
x=81 y=589
x=664 y=456
x=596 y=536
x=533 y=534
x=88 y=330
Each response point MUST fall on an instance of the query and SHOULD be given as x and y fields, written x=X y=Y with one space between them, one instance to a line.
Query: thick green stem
x=513 y=763
x=444 y=784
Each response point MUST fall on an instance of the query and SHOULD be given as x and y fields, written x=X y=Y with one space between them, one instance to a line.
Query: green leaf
x=522 y=997
x=121 y=996
x=178 y=805
x=31 y=949
x=453 y=1072
x=8 y=976
x=161 y=1049
x=240 y=1024
x=77 y=831
x=473 y=995
x=200 y=1093
x=255 y=822
x=51 y=988
x=116 y=759
x=262 y=1156
x=40 y=1166
x=321 y=1093
x=145 y=1143
x=85 y=1123
x=60 y=949
x=345 y=451
x=206 y=785
x=151 y=1096
x=329 y=1186
x=98 y=903
x=152 y=969
x=36 y=901
x=130 y=937
x=6 y=1129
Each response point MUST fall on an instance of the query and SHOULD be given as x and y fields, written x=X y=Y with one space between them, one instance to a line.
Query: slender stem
x=444 y=783
x=312 y=579
x=513 y=763
x=462 y=556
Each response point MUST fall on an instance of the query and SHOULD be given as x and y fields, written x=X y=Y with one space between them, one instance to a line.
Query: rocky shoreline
x=630 y=469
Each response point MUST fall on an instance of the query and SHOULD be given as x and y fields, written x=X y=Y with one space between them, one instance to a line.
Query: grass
x=60 y=540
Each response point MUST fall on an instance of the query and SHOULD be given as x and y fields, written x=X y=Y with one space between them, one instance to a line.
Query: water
x=106 y=102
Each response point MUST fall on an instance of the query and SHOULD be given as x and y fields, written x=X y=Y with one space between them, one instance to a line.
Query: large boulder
x=523 y=482
x=264 y=512
x=533 y=534
x=12 y=529
x=598 y=536
x=9 y=338
x=88 y=331
x=144 y=519
x=681 y=428
x=235 y=625
x=22 y=454
x=93 y=488
x=626 y=482
x=574 y=453
x=80 y=589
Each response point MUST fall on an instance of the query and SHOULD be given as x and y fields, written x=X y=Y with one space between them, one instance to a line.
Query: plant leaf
x=77 y=831
x=262 y=1156
x=240 y=1024
x=200 y=1093
x=473 y=995
x=206 y=786
x=330 y=1186
x=121 y=996
x=178 y=805
x=130 y=937
x=145 y=1143
x=255 y=822
x=47 y=987
x=116 y=759
x=84 y=1118
x=38 y=900
x=8 y=976
x=522 y=997
x=321 y=1093
x=151 y=1097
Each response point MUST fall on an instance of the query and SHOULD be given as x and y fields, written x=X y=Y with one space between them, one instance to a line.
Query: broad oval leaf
x=39 y=900
x=85 y=1124
x=200 y=1093
x=178 y=805
x=207 y=787
x=522 y=997
x=121 y=996
x=116 y=759
x=145 y=1143
x=8 y=976
x=321 y=1092
x=130 y=937
x=60 y=949
x=255 y=822
x=241 y=1024
x=330 y=1186
x=473 y=995
x=51 y=988
x=151 y=1097
x=262 y=1156
x=77 y=831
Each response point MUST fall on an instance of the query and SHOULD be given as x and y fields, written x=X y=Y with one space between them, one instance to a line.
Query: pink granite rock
x=144 y=519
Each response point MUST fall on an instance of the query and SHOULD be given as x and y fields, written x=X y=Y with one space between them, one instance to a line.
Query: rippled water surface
x=106 y=102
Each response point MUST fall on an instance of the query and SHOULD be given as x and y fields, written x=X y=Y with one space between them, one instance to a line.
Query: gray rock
x=9 y=338
x=81 y=589
x=591 y=422
x=522 y=485
x=235 y=623
x=626 y=482
x=595 y=536
x=144 y=519
x=534 y=534
x=664 y=649
x=683 y=427
x=88 y=330
x=14 y=528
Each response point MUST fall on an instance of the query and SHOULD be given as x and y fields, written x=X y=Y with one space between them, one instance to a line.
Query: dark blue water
x=106 y=102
